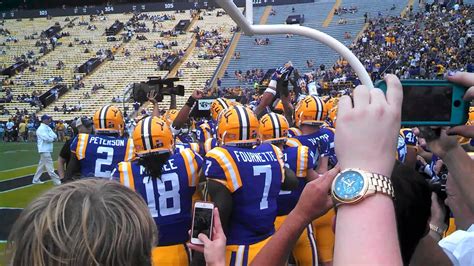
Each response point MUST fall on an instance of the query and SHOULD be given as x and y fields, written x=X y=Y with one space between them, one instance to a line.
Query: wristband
x=190 y=102
x=437 y=230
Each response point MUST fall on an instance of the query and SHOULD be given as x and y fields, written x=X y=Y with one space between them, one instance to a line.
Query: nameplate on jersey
x=107 y=142
x=255 y=157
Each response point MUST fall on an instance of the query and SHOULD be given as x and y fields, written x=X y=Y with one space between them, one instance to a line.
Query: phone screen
x=202 y=221
x=426 y=103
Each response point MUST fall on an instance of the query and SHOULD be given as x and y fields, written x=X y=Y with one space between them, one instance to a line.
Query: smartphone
x=431 y=103
x=202 y=221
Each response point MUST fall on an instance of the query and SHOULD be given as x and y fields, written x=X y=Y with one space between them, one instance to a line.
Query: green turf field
x=20 y=159
x=21 y=154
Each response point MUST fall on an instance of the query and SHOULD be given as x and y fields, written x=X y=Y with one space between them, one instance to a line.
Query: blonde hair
x=86 y=222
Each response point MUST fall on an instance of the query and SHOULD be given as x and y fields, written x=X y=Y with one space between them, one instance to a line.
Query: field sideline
x=20 y=159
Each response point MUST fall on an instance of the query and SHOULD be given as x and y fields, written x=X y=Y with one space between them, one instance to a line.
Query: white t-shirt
x=459 y=246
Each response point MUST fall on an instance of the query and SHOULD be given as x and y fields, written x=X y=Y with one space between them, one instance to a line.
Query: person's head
x=273 y=129
x=46 y=119
x=310 y=114
x=412 y=208
x=237 y=126
x=154 y=143
x=109 y=120
x=217 y=106
x=83 y=125
x=86 y=222
x=463 y=216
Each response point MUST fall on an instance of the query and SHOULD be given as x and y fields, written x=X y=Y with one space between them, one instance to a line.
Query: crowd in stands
x=346 y=10
x=211 y=43
x=279 y=198
x=425 y=45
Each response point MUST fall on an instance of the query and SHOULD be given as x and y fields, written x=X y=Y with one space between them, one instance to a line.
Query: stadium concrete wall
x=126 y=8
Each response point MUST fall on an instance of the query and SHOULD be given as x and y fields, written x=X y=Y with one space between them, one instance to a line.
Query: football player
x=274 y=129
x=411 y=143
x=97 y=155
x=277 y=89
x=244 y=181
x=310 y=115
x=167 y=182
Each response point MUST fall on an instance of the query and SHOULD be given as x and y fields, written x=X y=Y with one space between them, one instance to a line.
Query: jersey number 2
x=109 y=151
x=267 y=170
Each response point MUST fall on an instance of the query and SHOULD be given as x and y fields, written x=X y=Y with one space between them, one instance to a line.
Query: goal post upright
x=249 y=11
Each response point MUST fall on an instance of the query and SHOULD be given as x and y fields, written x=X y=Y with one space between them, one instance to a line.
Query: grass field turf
x=20 y=159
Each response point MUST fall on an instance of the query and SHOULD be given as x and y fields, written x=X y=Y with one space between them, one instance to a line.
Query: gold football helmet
x=310 y=111
x=273 y=128
x=152 y=135
x=332 y=116
x=237 y=126
x=331 y=103
x=109 y=119
x=217 y=106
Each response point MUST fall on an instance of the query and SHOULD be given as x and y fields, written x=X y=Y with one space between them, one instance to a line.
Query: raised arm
x=183 y=114
x=313 y=203
x=366 y=232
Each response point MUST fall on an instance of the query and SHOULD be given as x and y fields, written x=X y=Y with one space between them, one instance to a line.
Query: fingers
x=377 y=96
x=328 y=177
x=344 y=105
x=463 y=78
x=217 y=221
x=464 y=130
x=361 y=96
x=469 y=95
x=394 y=91
x=197 y=248
x=204 y=239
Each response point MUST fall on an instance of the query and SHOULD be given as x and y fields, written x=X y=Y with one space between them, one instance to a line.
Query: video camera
x=439 y=186
x=161 y=86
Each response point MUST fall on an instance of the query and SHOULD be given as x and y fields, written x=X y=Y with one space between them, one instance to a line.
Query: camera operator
x=447 y=147
x=458 y=247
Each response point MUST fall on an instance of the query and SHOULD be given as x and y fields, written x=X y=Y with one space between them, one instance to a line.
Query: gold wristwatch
x=353 y=185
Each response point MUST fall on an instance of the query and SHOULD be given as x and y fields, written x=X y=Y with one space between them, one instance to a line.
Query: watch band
x=437 y=229
x=382 y=184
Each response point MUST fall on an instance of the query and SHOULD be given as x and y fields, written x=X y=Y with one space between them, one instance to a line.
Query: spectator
x=23 y=131
x=60 y=129
x=10 y=130
x=46 y=137
x=80 y=125
x=61 y=227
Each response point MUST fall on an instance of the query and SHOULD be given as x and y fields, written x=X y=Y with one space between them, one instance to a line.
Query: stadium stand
x=299 y=49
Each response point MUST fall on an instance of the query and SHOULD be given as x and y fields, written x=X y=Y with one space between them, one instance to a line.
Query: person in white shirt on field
x=46 y=137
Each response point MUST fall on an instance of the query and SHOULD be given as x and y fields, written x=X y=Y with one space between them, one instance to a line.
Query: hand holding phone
x=431 y=103
x=213 y=250
x=202 y=221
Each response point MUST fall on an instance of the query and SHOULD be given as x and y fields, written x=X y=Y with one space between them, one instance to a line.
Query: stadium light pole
x=250 y=29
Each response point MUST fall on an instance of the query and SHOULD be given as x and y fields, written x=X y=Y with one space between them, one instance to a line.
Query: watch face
x=348 y=185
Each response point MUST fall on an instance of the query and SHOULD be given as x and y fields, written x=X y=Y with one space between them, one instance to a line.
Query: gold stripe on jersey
x=281 y=161
x=129 y=152
x=208 y=145
x=126 y=175
x=194 y=147
x=295 y=131
x=206 y=133
x=191 y=166
x=291 y=142
x=225 y=160
x=82 y=140
x=301 y=162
